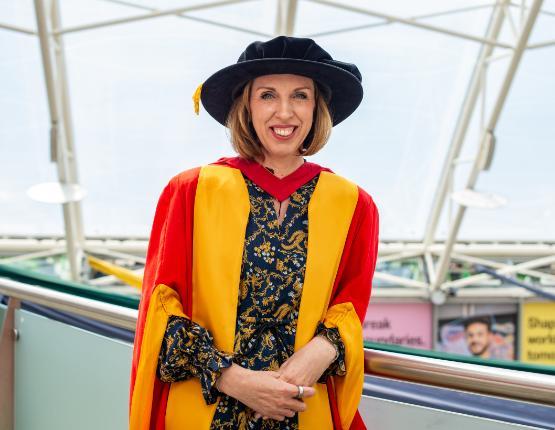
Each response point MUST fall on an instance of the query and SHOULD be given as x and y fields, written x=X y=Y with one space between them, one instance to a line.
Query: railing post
x=7 y=366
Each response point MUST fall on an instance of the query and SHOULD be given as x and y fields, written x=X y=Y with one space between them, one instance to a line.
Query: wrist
x=328 y=347
x=230 y=378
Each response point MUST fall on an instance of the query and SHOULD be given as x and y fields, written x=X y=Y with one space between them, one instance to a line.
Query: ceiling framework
x=435 y=255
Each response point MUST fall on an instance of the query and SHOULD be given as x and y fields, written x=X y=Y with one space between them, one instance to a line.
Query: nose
x=285 y=108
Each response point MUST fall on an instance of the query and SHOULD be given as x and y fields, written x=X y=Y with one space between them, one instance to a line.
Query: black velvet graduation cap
x=340 y=82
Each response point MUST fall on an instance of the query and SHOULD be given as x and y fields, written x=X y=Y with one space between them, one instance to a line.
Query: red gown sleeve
x=167 y=276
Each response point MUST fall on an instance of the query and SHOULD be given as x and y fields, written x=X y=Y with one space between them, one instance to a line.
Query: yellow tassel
x=196 y=98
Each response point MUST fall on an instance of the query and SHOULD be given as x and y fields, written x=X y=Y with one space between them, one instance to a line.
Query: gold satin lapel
x=221 y=214
x=330 y=212
x=222 y=209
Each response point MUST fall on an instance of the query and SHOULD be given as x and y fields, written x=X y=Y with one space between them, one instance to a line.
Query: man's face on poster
x=478 y=338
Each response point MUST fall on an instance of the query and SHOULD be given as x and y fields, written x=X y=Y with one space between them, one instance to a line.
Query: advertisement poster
x=405 y=324
x=538 y=333
x=479 y=330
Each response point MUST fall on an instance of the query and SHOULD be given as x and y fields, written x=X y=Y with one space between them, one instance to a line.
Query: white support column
x=291 y=15
x=63 y=153
x=470 y=102
x=278 y=28
x=285 y=17
x=444 y=259
x=67 y=122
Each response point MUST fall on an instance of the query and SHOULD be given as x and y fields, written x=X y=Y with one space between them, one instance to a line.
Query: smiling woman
x=279 y=101
x=259 y=267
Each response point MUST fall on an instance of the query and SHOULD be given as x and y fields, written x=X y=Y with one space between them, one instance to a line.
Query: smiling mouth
x=283 y=133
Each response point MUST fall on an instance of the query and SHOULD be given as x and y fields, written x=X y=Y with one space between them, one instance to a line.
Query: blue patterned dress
x=272 y=276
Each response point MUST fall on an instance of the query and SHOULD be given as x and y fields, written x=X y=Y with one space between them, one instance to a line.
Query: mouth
x=284 y=133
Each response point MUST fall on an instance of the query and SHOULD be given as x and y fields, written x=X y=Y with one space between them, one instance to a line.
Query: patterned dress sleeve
x=337 y=367
x=188 y=351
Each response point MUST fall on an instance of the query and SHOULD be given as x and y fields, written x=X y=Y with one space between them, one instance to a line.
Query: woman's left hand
x=306 y=365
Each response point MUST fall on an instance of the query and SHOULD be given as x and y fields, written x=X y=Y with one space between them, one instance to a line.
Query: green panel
x=68 y=378
x=381 y=414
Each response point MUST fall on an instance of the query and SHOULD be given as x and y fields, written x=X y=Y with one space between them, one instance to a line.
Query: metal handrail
x=106 y=312
x=514 y=384
x=432 y=371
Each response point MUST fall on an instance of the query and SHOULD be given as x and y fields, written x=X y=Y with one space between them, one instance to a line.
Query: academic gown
x=194 y=255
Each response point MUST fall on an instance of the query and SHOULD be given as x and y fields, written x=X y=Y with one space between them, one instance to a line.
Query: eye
x=301 y=96
x=263 y=96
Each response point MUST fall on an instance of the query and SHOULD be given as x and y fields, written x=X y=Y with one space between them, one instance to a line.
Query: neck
x=282 y=166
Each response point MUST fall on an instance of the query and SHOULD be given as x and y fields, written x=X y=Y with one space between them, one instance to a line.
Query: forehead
x=284 y=80
x=477 y=326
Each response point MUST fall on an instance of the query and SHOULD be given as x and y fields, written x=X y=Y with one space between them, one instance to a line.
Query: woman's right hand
x=262 y=391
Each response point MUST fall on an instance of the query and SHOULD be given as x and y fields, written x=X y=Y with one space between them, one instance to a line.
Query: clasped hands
x=271 y=394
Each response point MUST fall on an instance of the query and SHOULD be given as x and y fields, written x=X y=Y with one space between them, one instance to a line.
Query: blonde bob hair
x=245 y=140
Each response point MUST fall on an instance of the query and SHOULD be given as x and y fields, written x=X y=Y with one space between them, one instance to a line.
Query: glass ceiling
x=130 y=88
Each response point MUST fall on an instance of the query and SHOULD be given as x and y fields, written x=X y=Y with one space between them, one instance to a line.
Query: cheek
x=308 y=115
x=260 y=114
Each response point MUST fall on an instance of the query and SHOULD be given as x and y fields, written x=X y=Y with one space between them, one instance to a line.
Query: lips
x=284 y=129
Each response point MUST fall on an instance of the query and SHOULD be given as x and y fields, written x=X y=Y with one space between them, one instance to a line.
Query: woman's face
x=282 y=108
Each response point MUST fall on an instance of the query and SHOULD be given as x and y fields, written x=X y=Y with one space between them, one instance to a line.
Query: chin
x=282 y=150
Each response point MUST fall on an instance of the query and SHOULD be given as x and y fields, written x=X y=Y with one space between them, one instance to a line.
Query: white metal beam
x=522 y=41
x=33 y=255
x=412 y=22
x=195 y=18
x=285 y=17
x=461 y=127
x=20 y=245
x=150 y=15
x=544 y=277
x=290 y=17
x=398 y=280
x=61 y=133
x=115 y=254
x=546 y=44
x=507 y=270
x=400 y=256
x=17 y=29
x=415 y=18
x=71 y=176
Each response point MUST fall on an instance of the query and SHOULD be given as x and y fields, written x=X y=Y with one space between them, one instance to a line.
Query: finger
x=284 y=412
x=290 y=390
x=296 y=405
x=289 y=413
x=274 y=374
x=308 y=391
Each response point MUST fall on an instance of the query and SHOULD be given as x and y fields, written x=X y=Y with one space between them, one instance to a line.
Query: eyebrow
x=273 y=89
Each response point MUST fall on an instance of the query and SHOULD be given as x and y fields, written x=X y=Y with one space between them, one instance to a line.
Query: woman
x=259 y=267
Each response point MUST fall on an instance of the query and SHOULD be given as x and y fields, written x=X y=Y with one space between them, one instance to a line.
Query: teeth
x=284 y=131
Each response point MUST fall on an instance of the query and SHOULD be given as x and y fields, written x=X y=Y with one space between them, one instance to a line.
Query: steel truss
x=435 y=255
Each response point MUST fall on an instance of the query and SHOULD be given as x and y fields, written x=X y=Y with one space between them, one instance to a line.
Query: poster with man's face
x=479 y=330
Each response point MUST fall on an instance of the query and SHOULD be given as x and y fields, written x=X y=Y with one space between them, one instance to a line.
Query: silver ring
x=300 y=393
